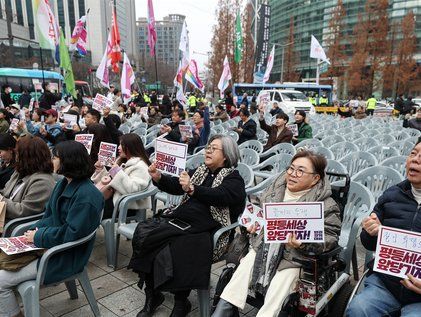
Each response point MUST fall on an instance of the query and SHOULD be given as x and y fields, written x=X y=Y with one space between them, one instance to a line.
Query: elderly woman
x=269 y=269
x=175 y=253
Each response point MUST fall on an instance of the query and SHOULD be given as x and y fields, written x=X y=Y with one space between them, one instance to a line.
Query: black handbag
x=238 y=248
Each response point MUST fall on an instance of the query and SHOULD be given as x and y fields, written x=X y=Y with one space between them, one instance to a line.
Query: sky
x=200 y=18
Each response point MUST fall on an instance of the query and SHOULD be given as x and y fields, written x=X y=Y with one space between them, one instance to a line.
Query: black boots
x=153 y=300
x=181 y=308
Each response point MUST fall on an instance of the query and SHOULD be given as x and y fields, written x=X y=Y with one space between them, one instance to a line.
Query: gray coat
x=320 y=192
x=30 y=198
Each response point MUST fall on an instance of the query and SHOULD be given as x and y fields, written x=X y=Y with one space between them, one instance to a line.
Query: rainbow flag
x=192 y=75
x=78 y=40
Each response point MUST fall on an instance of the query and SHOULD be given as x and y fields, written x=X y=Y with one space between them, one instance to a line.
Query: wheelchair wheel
x=339 y=302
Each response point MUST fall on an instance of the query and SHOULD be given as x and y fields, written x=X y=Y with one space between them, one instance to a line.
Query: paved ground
x=116 y=291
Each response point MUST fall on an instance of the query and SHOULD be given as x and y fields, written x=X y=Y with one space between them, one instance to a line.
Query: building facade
x=311 y=17
x=168 y=38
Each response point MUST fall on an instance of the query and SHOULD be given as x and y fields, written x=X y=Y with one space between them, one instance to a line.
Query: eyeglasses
x=298 y=172
x=211 y=149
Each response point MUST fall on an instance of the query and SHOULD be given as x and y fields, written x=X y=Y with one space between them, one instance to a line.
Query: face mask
x=10 y=90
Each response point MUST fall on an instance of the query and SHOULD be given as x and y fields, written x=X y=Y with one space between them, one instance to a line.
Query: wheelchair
x=324 y=284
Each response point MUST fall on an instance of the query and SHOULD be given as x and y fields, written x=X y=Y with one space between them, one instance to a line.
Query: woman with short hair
x=271 y=269
x=213 y=197
x=32 y=182
x=72 y=212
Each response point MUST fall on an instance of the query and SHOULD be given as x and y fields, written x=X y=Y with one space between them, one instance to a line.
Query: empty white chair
x=328 y=154
x=287 y=148
x=342 y=149
x=249 y=157
x=357 y=161
x=252 y=144
x=365 y=143
x=308 y=144
x=382 y=152
x=385 y=139
x=397 y=163
x=333 y=139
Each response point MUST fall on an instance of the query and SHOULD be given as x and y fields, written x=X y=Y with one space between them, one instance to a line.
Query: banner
x=262 y=44
x=102 y=72
x=269 y=65
x=305 y=220
x=184 y=47
x=238 y=45
x=100 y=102
x=317 y=51
x=225 y=77
x=398 y=252
x=46 y=26
x=86 y=140
x=253 y=215
x=170 y=156
x=127 y=79
x=115 y=54
x=107 y=153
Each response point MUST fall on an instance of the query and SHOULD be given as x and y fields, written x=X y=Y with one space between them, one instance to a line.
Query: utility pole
x=9 y=19
x=282 y=59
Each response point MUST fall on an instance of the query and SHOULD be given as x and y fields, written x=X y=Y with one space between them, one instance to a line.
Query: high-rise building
x=22 y=20
x=168 y=37
x=312 y=18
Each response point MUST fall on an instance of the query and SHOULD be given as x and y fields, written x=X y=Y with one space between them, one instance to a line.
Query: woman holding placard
x=174 y=253
x=269 y=268
x=128 y=175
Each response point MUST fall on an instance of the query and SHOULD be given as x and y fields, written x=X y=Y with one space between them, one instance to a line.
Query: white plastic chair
x=195 y=161
x=249 y=157
x=365 y=143
x=342 y=149
x=308 y=144
x=397 y=163
x=286 y=148
x=252 y=144
x=278 y=163
x=357 y=161
x=325 y=152
x=333 y=139
x=382 y=152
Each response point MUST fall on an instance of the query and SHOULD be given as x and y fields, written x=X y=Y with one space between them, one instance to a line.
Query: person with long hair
x=128 y=175
x=8 y=157
x=72 y=212
x=101 y=134
x=32 y=182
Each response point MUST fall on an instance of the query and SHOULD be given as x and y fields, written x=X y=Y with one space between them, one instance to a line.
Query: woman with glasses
x=270 y=269
x=175 y=252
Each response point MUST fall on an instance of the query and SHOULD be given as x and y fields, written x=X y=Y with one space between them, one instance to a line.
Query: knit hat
x=7 y=141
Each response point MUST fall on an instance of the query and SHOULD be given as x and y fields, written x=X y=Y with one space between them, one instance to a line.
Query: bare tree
x=290 y=71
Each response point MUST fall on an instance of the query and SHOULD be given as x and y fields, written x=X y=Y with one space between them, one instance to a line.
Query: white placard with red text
x=100 y=102
x=304 y=219
x=107 y=153
x=293 y=128
x=398 y=252
x=170 y=156
x=16 y=245
x=86 y=140
x=253 y=215
x=186 y=131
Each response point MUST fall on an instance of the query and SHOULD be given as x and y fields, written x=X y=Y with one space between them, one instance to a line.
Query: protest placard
x=186 y=131
x=100 y=102
x=398 y=252
x=53 y=87
x=170 y=156
x=144 y=112
x=304 y=219
x=16 y=245
x=14 y=124
x=293 y=128
x=253 y=215
x=69 y=120
x=86 y=140
x=264 y=97
x=107 y=153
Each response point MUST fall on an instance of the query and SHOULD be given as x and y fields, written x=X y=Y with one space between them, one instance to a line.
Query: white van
x=288 y=100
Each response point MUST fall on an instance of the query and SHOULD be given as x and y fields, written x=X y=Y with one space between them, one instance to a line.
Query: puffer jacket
x=396 y=208
x=320 y=192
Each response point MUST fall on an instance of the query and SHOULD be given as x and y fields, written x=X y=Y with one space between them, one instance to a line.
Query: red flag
x=151 y=29
x=115 y=54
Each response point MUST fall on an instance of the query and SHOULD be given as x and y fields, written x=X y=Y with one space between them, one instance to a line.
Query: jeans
x=8 y=280
x=375 y=300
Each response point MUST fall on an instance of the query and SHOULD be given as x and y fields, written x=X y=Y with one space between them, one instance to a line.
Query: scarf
x=219 y=214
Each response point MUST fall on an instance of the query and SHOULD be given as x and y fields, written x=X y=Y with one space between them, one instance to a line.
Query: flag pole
x=318 y=71
x=42 y=65
x=156 y=72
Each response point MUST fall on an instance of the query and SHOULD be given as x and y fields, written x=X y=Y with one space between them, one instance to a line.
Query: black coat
x=6 y=99
x=48 y=99
x=181 y=260
x=396 y=208
x=174 y=135
x=249 y=131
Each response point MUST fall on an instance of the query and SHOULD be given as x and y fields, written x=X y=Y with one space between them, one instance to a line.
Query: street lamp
x=282 y=60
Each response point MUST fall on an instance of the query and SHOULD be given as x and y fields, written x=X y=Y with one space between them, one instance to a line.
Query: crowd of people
x=44 y=171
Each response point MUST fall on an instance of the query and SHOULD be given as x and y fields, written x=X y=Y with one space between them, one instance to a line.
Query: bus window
x=27 y=84
x=294 y=96
x=14 y=83
x=278 y=97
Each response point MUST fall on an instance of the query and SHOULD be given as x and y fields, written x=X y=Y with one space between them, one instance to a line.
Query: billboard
x=262 y=45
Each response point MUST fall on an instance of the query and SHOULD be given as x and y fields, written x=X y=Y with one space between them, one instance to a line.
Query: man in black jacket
x=246 y=127
x=398 y=207
x=173 y=128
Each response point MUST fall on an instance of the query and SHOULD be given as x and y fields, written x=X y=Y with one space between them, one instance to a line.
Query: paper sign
x=398 y=252
x=53 y=87
x=107 y=153
x=22 y=115
x=293 y=128
x=16 y=245
x=170 y=156
x=305 y=220
x=253 y=215
x=144 y=112
x=100 y=102
x=86 y=140
x=14 y=124
x=69 y=120
x=185 y=131
x=264 y=97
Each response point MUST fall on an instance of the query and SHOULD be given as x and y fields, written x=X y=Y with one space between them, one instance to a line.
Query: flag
x=184 y=47
x=46 y=27
x=151 y=29
x=317 y=51
x=66 y=65
x=78 y=41
x=238 y=50
x=102 y=72
x=192 y=75
x=127 y=78
x=269 y=65
x=225 y=77
x=115 y=54
x=178 y=83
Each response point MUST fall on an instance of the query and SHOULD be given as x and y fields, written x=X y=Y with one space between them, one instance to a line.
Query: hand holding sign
x=372 y=224
x=293 y=242
x=185 y=181
x=154 y=172
x=412 y=284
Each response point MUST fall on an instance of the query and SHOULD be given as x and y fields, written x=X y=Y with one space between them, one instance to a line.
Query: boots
x=153 y=300
x=181 y=308
x=225 y=309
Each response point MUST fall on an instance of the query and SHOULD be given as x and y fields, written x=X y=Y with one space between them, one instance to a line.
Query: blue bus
x=19 y=79
x=307 y=88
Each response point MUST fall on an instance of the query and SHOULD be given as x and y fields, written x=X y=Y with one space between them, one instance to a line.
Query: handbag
x=238 y=248
x=17 y=261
